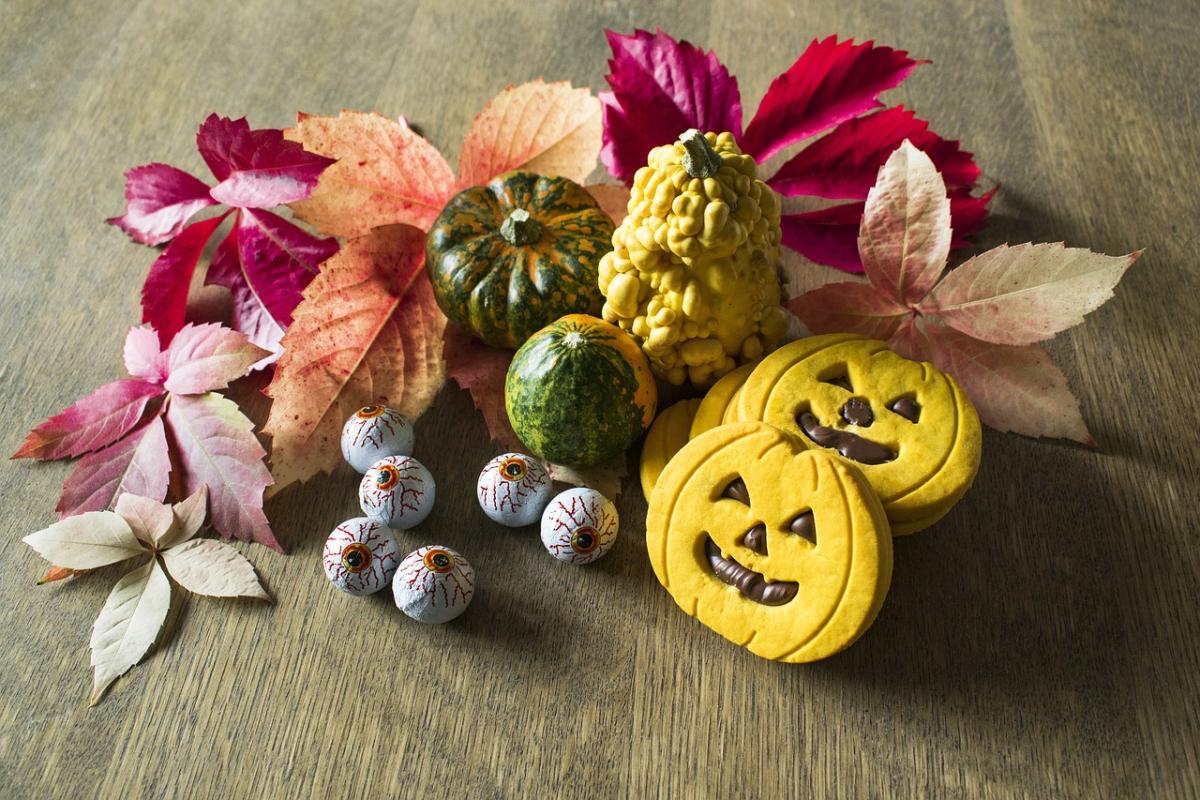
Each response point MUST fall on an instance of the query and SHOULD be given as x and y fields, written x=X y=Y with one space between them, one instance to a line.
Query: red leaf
x=661 y=87
x=385 y=174
x=92 y=422
x=159 y=200
x=216 y=447
x=851 y=307
x=845 y=162
x=165 y=292
x=828 y=236
x=481 y=371
x=967 y=215
x=831 y=82
x=368 y=330
x=138 y=463
x=266 y=262
x=257 y=168
x=203 y=358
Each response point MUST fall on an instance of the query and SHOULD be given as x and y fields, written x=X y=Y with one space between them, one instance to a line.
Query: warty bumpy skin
x=694 y=273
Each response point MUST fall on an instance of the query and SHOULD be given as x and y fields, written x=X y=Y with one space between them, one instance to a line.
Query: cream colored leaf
x=188 y=516
x=128 y=624
x=86 y=541
x=605 y=478
x=148 y=519
x=213 y=569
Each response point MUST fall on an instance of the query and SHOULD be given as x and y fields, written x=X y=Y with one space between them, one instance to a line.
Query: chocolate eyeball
x=360 y=556
x=434 y=584
x=374 y=432
x=513 y=489
x=397 y=491
x=579 y=526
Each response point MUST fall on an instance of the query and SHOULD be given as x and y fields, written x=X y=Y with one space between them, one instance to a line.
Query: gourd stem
x=520 y=228
x=700 y=160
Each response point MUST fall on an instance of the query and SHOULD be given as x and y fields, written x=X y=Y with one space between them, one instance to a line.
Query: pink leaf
x=148 y=518
x=92 y=422
x=1017 y=389
x=660 y=88
x=165 y=292
x=143 y=358
x=828 y=236
x=266 y=262
x=257 y=168
x=831 y=82
x=1027 y=293
x=216 y=447
x=904 y=239
x=481 y=370
x=547 y=128
x=137 y=463
x=845 y=162
x=159 y=200
x=203 y=358
x=850 y=307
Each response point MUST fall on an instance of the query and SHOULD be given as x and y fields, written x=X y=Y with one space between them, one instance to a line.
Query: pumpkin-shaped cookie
x=782 y=550
x=907 y=425
x=668 y=433
x=719 y=401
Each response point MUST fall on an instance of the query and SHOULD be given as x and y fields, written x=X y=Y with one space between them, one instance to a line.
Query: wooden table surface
x=1041 y=641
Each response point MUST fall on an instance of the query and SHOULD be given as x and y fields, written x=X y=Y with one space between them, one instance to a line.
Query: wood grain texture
x=1041 y=641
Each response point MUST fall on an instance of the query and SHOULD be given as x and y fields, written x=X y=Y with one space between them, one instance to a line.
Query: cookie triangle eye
x=736 y=490
x=805 y=526
x=906 y=407
x=840 y=378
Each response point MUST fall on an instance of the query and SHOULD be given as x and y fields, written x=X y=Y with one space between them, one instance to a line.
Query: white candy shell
x=360 y=556
x=434 y=584
x=513 y=489
x=374 y=432
x=579 y=526
x=398 y=492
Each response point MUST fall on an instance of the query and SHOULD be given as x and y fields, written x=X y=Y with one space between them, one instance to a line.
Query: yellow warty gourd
x=694 y=273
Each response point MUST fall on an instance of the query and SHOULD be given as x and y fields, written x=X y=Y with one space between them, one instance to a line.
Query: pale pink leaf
x=87 y=541
x=165 y=291
x=137 y=463
x=213 y=569
x=148 y=519
x=1026 y=293
x=385 y=174
x=90 y=423
x=143 y=358
x=547 y=128
x=904 y=239
x=159 y=200
x=481 y=370
x=203 y=358
x=612 y=198
x=849 y=307
x=216 y=447
x=128 y=624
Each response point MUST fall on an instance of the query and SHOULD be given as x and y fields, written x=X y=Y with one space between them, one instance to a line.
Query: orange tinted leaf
x=481 y=371
x=849 y=307
x=549 y=128
x=612 y=198
x=368 y=330
x=57 y=574
x=385 y=174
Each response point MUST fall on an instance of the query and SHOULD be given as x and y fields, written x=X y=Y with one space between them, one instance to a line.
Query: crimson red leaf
x=481 y=371
x=159 y=200
x=257 y=168
x=137 y=463
x=844 y=163
x=143 y=358
x=661 y=87
x=92 y=422
x=827 y=236
x=850 y=307
x=216 y=447
x=165 y=292
x=967 y=215
x=203 y=358
x=831 y=82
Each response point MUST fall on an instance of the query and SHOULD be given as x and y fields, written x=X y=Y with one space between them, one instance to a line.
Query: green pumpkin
x=512 y=256
x=579 y=391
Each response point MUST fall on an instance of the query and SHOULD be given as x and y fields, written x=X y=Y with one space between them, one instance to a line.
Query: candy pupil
x=441 y=560
x=585 y=540
x=354 y=559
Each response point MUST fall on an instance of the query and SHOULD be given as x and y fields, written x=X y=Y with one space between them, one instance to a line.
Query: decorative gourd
x=694 y=274
x=579 y=391
x=509 y=257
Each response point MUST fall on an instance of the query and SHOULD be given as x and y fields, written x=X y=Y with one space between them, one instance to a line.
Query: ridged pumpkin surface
x=579 y=391
x=502 y=280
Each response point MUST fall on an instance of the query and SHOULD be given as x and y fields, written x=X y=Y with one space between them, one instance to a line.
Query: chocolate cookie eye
x=906 y=407
x=840 y=378
x=736 y=490
x=805 y=526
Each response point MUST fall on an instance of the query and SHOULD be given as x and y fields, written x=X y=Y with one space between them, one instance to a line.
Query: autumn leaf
x=481 y=371
x=138 y=463
x=188 y=517
x=58 y=574
x=95 y=421
x=147 y=518
x=980 y=323
x=204 y=358
x=90 y=540
x=128 y=624
x=604 y=478
x=160 y=199
x=368 y=331
x=661 y=87
x=213 y=569
x=612 y=198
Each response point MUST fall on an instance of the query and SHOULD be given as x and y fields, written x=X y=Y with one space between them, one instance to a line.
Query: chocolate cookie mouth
x=850 y=445
x=751 y=584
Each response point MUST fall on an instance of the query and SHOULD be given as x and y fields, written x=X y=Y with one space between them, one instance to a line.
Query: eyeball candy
x=434 y=584
x=374 y=432
x=579 y=526
x=513 y=489
x=360 y=556
x=397 y=491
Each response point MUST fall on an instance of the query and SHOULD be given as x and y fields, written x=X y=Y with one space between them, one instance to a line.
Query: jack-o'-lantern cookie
x=782 y=550
x=718 y=402
x=668 y=433
x=908 y=426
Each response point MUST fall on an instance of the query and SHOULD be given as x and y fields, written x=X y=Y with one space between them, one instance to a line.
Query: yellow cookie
x=668 y=433
x=719 y=400
x=781 y=550
x=908 y=426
